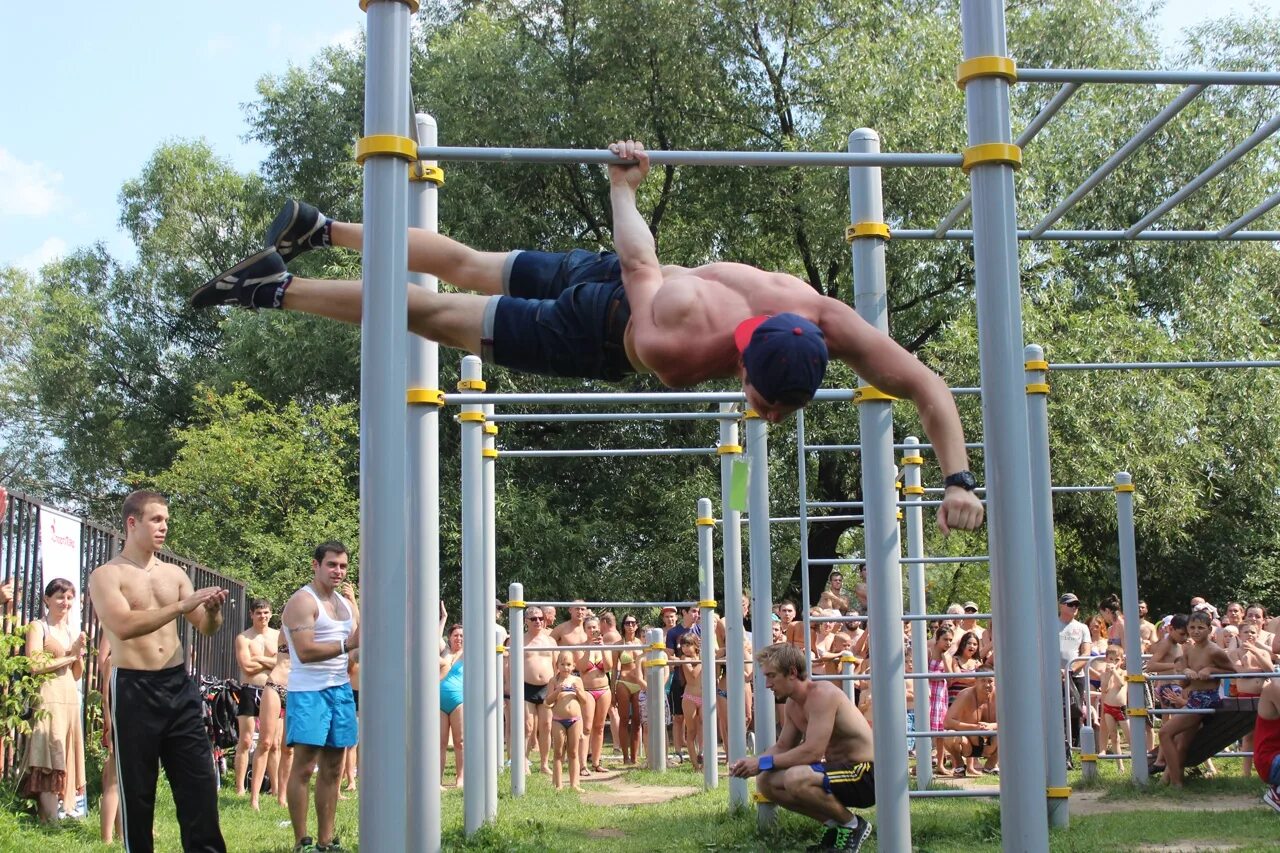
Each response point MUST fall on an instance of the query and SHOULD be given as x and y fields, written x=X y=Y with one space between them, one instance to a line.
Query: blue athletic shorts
x=323 y=718
x=562 y=314
x=1274 y=777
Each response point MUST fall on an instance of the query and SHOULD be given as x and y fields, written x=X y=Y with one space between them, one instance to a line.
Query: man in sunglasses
x=606 y=316
x=539 y=667
x=1073 y=641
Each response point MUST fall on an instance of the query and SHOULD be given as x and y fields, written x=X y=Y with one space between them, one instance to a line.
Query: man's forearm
x=139 y=623
x=632 y=239
x=941 y=422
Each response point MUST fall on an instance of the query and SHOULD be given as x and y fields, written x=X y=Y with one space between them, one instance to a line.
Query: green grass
x=545 y=819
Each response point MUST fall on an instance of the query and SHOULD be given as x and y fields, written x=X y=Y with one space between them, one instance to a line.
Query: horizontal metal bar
x=833 y=504
x=908 y=617
x=616 y=647
x=605 y=398
x=635 y=451
x=856 y=448
x=610 y=603
x=810 y=518
x=1164 y=365
x=925 y=561
x=1175 y=711
x=1098 y=75
x=833 y=159
x=1253 y=673
x=953 y=792
x=602 y=417
x=981 y=733
x=1113 y=162
x=838 y=561
x=1254 y=140
x=914 y=676
x=1071 y=235
x=1266 y=205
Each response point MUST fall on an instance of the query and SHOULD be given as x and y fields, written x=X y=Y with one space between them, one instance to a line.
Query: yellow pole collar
x=1037 y=387
x=860 y=230
x=869 y=394
x=471 y=385
x=1057 y=793
x=760 y=798
x=708 y=602
x=986 y=66
x=489 y=453
x=471 y=417
x=1137 y=678
x=422 y=173
x=991 y=152
x=726 y=449
x=853 y=659
x=425 y=396
x=1127 y=487
x=1035 y=365
x=412 y=4
x=1137 y=712
x=384 y=143
x=649 y=664
x=1088 y=756
x=750 y=413
x=502 y=650
x=913 y=490
x=490 y=429
x=706 y=522
x=517 y=605
x=913 y=460
x=656 y=647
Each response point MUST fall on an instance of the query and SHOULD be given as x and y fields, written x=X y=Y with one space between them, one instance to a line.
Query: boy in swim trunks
x=607 y=316
x=1203 y=659
x=565 y=697
x=821 y=765
x=1115 y=690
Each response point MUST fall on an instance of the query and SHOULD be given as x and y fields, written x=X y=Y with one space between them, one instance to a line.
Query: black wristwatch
x=963 y=479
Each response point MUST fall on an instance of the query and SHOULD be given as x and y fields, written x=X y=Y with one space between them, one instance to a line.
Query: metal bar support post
x=1137 y=710
x=492 y=735
x=761 y=589
x=734 y=632
x=384 y=357
x=475 y=619
x=1055 y=752
x=707 y=590
x=655 y=679
x=1024 y=828
x=515 y=647
x=913 y=492
x=880 y=523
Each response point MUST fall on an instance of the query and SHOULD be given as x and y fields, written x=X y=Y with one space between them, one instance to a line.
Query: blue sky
x=92 y=88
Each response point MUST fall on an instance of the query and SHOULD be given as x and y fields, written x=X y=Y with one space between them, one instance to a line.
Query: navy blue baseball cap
x=783 y=354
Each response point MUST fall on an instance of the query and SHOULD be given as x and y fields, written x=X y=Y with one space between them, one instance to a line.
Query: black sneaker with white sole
x=298 y=227
x=828 y=841
x=850 y=839
x=259 y=281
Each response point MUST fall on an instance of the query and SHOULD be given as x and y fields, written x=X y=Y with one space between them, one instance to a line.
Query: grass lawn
x=545 y=820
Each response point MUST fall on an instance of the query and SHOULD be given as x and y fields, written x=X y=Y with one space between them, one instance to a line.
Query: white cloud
x=30 y=189
x=51 y=249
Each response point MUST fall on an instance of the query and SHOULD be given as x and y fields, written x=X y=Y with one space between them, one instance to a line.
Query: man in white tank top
x=320 y=719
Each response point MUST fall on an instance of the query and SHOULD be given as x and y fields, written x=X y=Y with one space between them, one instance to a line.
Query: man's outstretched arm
x=879 y=359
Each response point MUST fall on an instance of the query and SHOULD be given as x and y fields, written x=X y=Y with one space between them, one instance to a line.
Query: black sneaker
x=259 y=281
x=828 y=841
x=306 y=845
x=850 y=839
x=297 y=227
x=333 y=846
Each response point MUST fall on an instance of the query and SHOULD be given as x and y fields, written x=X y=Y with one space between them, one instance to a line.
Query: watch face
x=964 y=479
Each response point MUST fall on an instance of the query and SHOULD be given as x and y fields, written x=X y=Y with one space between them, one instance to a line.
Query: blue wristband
x=766 y=763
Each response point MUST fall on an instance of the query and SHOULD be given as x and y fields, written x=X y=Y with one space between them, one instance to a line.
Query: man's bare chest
x=149 y=591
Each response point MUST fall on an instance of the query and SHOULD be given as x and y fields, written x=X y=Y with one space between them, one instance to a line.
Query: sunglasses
x=629 y=622
x=537 y=619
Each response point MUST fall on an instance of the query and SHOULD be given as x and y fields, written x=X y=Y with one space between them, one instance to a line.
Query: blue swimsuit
x=451 y=688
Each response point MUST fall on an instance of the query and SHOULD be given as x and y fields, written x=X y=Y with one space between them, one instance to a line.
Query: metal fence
x=20 y=562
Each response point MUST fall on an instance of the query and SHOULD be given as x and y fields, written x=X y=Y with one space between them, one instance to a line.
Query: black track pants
x=157 y=718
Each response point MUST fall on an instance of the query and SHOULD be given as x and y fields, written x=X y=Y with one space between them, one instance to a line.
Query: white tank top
x=326 y=673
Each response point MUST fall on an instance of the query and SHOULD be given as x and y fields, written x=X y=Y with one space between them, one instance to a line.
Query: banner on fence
x=60 y=554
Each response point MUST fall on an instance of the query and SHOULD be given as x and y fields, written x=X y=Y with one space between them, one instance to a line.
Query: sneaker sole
x=280 y=226
x=211 y=286
x=862 y=836
x=1269 y=800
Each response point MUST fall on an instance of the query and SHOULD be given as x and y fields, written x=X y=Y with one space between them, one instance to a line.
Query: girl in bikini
x=628 y=675
x=567 y=698
x=594 y=668
x=690 y=659
x=966 y=659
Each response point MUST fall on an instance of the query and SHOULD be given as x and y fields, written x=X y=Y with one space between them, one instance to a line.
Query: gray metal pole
x=475 y=619
x=1004 y=417
x=880 y=523
x=1138 y=726
x=515 y=645
x=802 y=487
x=423 y=463
x=1055 y=741
x=912 y=492
x=734 y=633
x=492 y=738
x=384 y=355
x=847 y=663
x=761 y=588
x=654 y=681
x=707 y=590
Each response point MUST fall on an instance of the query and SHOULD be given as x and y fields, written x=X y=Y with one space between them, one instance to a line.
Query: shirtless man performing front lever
x=821 y=764
x=156 y=713
x=605 y=316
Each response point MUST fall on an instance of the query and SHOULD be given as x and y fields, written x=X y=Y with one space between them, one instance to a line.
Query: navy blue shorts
x=563 y=314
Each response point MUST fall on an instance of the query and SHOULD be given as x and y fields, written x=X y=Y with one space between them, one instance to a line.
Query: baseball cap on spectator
x=970 y=607
x=785 y=355
x=1068 y=598
x=669 y=607
x=777 y=618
